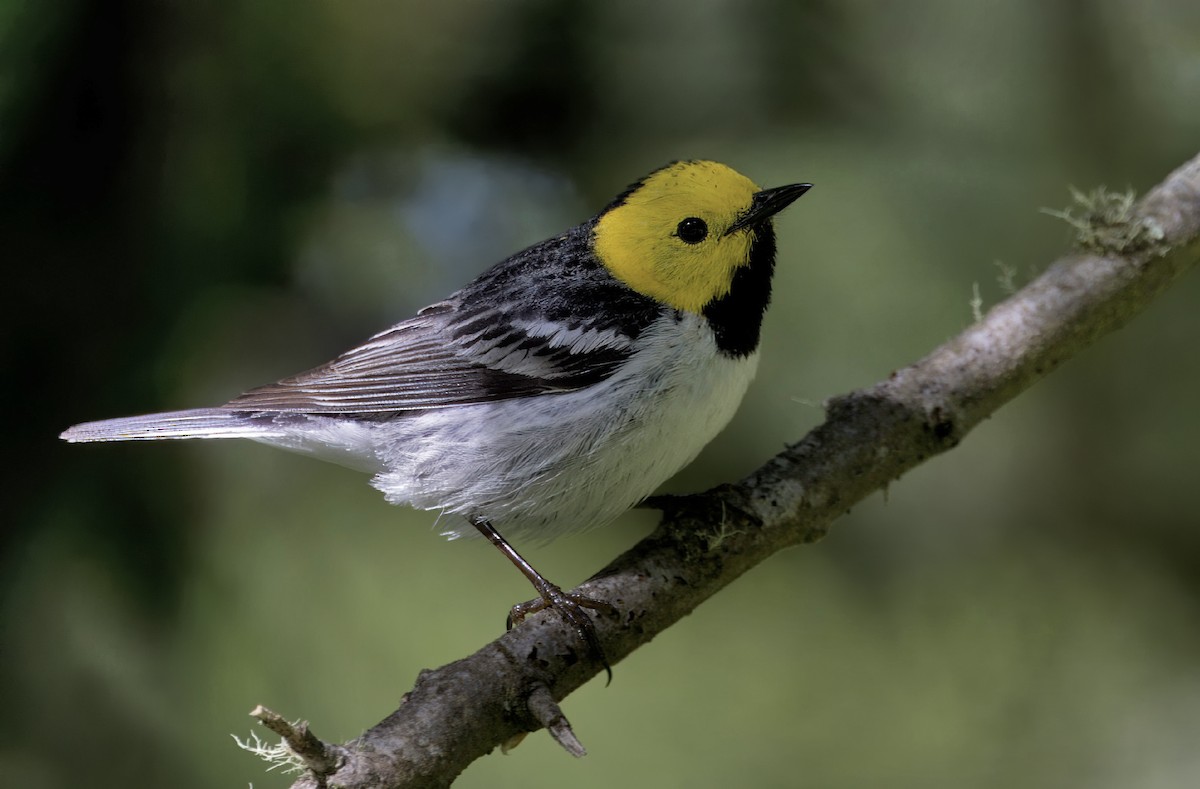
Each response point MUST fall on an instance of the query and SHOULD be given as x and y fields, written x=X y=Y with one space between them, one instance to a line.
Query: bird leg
x=568 y=606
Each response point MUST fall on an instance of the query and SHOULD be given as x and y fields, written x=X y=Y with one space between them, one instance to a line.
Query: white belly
x=552 y=464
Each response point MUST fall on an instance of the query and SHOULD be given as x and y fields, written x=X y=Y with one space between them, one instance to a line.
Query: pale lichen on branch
x=1108 y=222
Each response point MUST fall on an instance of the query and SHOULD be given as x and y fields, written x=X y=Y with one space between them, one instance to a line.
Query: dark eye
x=692 y=230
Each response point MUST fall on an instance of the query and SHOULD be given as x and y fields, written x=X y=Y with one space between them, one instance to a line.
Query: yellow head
x=681 y=233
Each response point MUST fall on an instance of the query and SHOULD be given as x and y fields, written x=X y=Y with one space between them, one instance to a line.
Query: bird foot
x=570 y=607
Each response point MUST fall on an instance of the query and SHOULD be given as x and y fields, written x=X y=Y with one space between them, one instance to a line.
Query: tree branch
x=455 y=714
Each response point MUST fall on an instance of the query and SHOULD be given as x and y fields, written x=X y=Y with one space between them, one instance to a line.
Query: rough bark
x=1129 y=252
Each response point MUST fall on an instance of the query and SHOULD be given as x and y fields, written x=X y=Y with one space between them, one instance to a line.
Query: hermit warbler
x=554 y=392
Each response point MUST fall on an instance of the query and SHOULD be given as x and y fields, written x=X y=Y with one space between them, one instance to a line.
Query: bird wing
x=448 y=355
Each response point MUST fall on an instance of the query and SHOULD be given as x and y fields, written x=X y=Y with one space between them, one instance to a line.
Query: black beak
x=768 y=203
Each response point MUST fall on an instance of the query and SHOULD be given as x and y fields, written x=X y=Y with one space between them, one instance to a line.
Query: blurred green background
x=196 y=198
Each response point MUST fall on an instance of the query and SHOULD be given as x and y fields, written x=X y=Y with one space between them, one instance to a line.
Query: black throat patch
x=736 y=318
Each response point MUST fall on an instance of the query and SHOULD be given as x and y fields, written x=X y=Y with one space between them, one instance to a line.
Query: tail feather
x=196 y=423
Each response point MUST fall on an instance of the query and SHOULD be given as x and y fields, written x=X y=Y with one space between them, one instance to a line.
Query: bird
x=555 y=391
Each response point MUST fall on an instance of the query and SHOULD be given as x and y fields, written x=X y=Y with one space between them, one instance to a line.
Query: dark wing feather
x=484 y=343
x=419 y=364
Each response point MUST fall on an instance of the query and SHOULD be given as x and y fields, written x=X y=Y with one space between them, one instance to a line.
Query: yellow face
x=667 y=239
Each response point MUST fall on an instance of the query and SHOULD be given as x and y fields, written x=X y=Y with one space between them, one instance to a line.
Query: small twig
x=546 y=711
x=319 y=757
